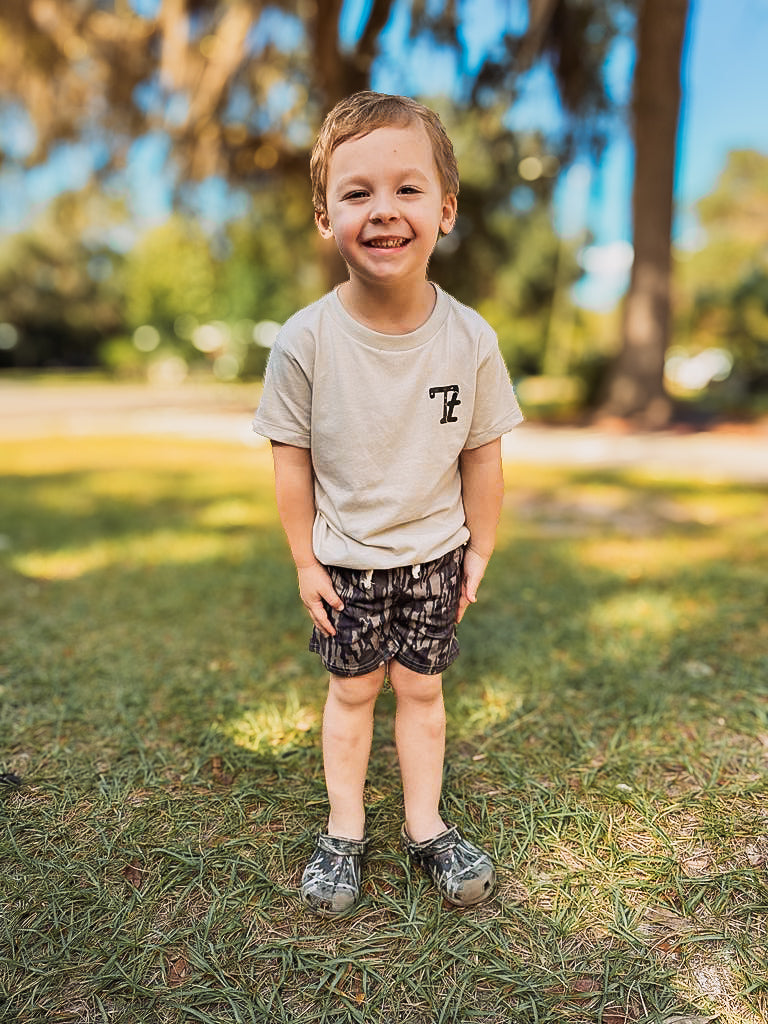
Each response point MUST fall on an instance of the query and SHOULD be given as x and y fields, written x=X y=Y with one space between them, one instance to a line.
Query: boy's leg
x=462 y=872
x=420 y=741
x=347 y=736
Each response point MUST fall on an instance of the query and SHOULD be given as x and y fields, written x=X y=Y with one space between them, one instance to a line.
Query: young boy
x=385 y=403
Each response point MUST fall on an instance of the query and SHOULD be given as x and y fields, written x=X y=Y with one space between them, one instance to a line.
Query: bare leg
x=347 y=736
x=420 y=740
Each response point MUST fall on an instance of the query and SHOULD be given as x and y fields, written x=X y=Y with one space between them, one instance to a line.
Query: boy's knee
x=356 y=691
x=415 y=686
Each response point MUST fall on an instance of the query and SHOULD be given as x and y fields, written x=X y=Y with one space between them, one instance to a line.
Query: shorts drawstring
x=366 y=576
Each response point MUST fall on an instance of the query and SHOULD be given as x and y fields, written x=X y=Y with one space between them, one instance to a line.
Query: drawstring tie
x=366 y=578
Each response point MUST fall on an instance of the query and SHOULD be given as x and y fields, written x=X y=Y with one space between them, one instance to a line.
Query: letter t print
x=450 y=393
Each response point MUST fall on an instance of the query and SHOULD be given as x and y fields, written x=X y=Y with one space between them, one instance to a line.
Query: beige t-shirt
x=386 y=418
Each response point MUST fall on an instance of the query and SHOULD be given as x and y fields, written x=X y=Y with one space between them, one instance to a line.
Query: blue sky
x=725 y=84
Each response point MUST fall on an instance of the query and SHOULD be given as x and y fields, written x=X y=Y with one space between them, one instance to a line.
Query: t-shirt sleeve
x=285 y=409
x=496 y=409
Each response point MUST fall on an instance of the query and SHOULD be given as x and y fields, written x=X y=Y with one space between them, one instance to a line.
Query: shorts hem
x=346 y=672
x=400 y=656
x=431 y=670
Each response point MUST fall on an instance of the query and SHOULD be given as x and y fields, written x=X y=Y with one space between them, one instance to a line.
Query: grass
x=608 y=737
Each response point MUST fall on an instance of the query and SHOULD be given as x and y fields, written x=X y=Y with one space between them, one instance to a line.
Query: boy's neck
x=388 y=310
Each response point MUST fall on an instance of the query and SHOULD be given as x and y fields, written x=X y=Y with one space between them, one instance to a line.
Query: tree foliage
x=239 y=87
x=58 y=285
x=575 y=38
x=722 y=288
x=170 y=269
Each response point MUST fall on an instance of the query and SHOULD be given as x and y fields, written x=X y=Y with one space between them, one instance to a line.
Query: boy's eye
x=356 y=194
x=410 y=190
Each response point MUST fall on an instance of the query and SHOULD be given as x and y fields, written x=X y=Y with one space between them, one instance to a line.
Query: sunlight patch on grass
x=232 y=513
x=641 y=613
x=85 y=493
x=32 y=457
x=165 y=547
x=272 y=724
x=645 y=557
x=62 y=564
x=131 y=485
x=500 y=703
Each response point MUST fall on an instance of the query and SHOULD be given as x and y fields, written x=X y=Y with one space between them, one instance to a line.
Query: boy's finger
x=327 y=593
x=334 y=600
x=468 y=597
x=321 y=620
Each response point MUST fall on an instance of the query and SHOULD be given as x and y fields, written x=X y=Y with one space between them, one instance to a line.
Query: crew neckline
x=392 y=342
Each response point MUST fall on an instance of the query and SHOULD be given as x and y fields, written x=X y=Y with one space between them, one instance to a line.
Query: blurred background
x=155 y=215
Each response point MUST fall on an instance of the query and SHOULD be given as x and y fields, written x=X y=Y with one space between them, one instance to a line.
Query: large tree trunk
x=636 y=382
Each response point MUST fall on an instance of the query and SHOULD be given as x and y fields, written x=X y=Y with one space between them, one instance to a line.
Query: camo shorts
x=407 y=613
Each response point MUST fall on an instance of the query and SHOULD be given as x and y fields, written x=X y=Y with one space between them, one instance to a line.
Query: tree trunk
x=635 y=386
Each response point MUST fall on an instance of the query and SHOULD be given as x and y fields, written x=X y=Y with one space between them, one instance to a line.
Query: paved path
x=726 y=454
x=223 y=413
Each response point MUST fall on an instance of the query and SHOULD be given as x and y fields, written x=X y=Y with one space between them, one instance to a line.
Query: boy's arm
x=482 y=490
x=295 y=493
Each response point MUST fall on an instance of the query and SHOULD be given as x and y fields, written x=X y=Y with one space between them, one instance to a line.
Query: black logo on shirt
x=450 y=393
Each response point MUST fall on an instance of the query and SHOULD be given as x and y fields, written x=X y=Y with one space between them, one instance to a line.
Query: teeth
x=387 y=243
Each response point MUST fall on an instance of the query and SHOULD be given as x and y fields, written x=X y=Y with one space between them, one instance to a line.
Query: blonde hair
x=364 y=112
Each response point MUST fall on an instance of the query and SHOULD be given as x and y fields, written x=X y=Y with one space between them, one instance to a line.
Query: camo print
x=406 y=613
x=462 y=872
x=331 y=881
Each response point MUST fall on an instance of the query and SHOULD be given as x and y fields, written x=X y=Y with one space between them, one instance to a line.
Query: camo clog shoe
x=331 y=882
x=462 y=872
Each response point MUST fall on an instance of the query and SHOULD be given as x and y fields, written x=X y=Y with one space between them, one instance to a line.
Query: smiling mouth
x=387 y=243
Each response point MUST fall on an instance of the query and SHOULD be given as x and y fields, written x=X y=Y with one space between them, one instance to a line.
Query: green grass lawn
x=608 y=738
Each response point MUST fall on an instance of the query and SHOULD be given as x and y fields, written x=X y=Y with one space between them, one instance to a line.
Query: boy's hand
x=315 y=586
x=473 y=571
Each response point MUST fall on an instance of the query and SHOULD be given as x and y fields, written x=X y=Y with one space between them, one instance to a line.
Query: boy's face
x=386 y=205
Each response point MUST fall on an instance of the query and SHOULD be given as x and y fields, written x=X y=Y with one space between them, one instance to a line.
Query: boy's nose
x=384 y=209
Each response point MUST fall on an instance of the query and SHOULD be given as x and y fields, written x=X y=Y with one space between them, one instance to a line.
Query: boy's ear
x=448 y=218
x=323 y=224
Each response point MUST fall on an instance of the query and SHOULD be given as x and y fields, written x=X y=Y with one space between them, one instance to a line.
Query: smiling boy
x=385 y=403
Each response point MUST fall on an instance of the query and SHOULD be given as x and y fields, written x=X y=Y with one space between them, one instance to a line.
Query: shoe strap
x=342 y=847
x=437 y=844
